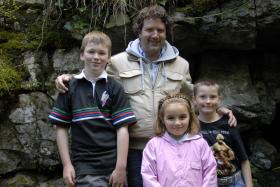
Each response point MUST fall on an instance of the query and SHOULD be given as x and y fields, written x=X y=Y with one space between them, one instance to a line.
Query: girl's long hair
x=159 y=126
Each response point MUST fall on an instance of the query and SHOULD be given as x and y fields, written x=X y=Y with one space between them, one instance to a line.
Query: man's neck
x=209 y=117
x=152 y=56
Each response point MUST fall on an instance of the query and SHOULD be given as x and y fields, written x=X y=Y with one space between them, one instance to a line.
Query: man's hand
x=225 y=111
x=60 y=82
x=118 y=178
x=69 y=175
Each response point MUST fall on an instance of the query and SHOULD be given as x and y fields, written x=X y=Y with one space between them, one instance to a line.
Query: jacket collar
x=186 y=137
x=135 y=53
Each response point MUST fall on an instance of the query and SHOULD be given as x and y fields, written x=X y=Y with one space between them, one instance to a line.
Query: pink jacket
x=188 y=162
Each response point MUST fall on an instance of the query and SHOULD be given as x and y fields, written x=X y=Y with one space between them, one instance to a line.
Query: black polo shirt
x=94 y=119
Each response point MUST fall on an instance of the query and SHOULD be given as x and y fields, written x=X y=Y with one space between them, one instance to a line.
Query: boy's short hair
x=154 y=11
x=206 y=83
x=96 y=37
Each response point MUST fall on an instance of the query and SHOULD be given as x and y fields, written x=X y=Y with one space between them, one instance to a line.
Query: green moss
x=17 y=41
x=21 y=180
x=10 y=78
x=8 y=9
x=200 y=7
x=188 y=10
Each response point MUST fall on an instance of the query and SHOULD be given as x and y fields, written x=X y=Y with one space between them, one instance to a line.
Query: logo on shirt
x=104 y=98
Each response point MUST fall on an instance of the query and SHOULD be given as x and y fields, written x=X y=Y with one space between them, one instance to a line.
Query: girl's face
x=176 y=119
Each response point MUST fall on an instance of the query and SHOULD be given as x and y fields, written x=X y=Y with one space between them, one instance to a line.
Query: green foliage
x=10 y=78
x=162 y=2
x=17 y=41
x=200 y=7
x=96 y=14
x=8 y=9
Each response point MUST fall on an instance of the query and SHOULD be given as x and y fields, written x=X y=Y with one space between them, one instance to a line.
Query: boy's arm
x=60 y=82
x=63 y=148
x=246 y=172
x=118 y=177
x=225 y=111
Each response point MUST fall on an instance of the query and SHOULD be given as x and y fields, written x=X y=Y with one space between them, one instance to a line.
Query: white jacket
x=130 y=68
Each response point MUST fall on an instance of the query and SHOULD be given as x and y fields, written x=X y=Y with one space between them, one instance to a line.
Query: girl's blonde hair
x=160 y=128
x=96 y=37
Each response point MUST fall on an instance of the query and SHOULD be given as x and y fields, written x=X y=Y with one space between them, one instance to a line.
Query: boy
x=98 y=112
x=224 y=140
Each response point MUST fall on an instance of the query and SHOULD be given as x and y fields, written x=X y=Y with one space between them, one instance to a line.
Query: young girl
x=178 y=155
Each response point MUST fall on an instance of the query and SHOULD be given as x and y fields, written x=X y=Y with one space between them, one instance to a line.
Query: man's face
x=152 y=36
x=95 y=57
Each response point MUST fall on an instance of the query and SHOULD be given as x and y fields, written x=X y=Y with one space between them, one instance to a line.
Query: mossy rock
x=10 y=78
x=19 y=180
x=200 y=7
x=19 y=41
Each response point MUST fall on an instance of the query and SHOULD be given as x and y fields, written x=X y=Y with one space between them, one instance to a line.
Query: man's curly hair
x=154 y=11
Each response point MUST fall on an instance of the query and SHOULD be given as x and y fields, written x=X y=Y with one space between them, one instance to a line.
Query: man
x=148 y=69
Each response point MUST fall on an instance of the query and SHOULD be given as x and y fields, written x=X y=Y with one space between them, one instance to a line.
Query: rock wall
x=236 y=45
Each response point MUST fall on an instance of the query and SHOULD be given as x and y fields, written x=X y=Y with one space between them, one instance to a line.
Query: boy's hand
x=69 y=175
x=118 y=178
x=225 y=111
x=60 y=82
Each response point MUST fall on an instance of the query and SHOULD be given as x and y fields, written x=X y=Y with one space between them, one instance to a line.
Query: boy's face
x=153 y=35
x=207 y=99
x=95 y=57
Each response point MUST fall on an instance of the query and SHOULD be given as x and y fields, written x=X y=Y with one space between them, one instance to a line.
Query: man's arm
x=61 y=81
x=112 y=70
x=246 y=172
x=118 y=177
x=63 y=148
x=187 y=86
x=225 y=111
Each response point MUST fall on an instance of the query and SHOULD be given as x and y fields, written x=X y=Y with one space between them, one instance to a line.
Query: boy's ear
x=220 y=99
x=82 y=56
x=193 y=99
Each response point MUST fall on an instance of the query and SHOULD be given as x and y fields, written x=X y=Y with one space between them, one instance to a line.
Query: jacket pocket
x=195 y=171
x=195 y=165
x=173 y=82
x=131 y=81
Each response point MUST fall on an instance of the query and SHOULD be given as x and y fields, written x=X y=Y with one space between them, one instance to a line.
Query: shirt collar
x=81 y=75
